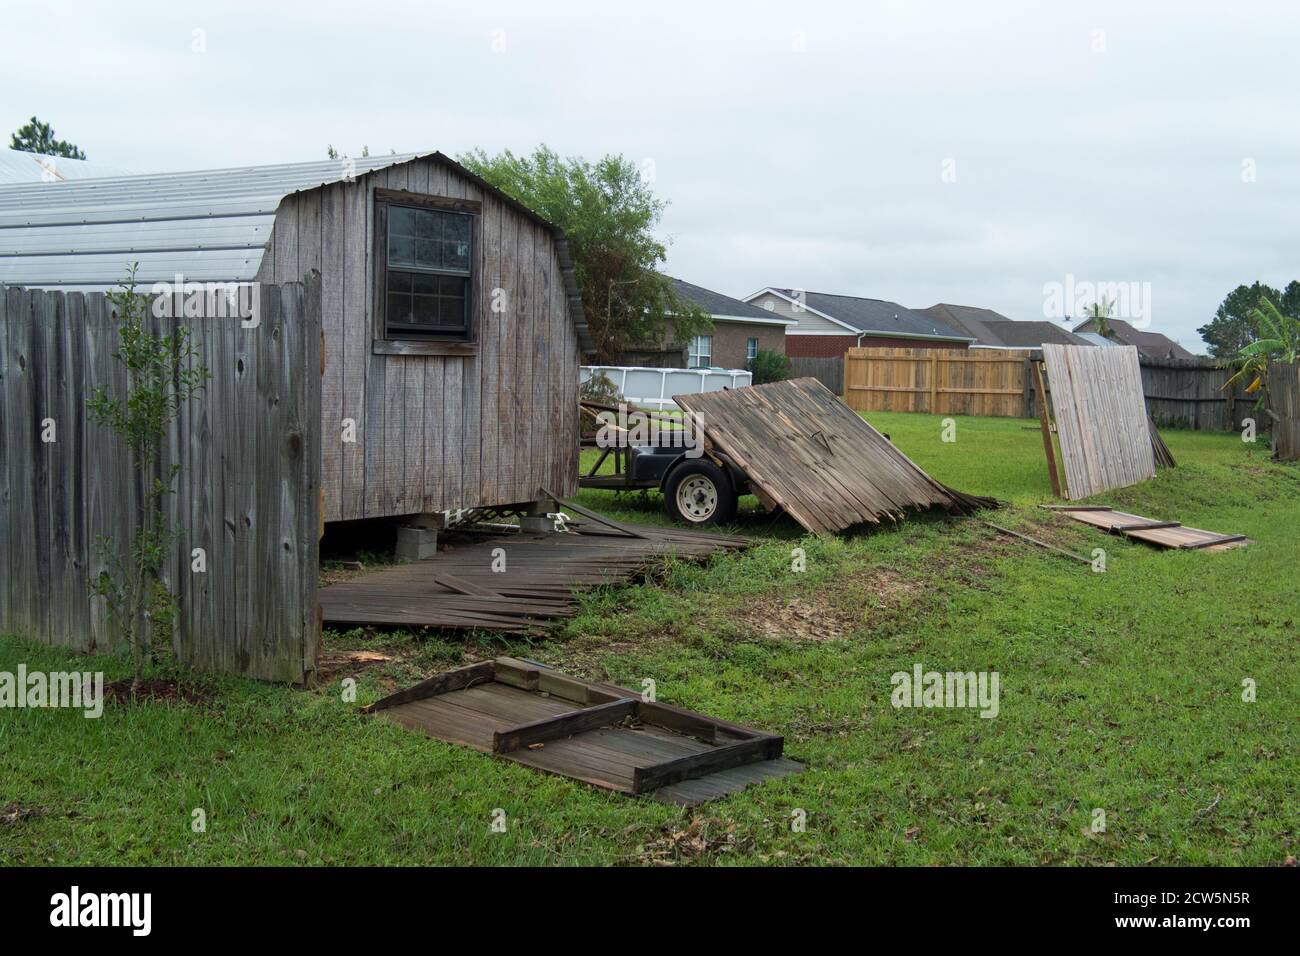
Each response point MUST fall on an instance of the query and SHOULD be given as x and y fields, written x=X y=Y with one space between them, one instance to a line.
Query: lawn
x=1121 y=692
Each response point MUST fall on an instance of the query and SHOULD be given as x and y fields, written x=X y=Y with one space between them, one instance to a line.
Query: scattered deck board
x=1164 y=534
x=458 y=588
x=816 y=458
x=1106 y=439
x=600 y=734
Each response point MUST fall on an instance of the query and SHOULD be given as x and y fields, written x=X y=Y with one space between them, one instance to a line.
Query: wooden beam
x=563 y=725
x=461 y=586
x=443 y=683
x=599 y=519
x=706 y=762
x=1146 y=526
x=1045 y=423
x=1035 y=541
x=1221 y=539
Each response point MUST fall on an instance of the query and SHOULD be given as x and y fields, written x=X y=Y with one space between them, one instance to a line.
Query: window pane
x=427 y=225
x=423 y=284
x=401 y=251
x=455 y=255
x=399 y=309
x=425 y=310
x=451 y=312
x=401 y=221
x=399 y=282
x=453 y=285
x=456 y=228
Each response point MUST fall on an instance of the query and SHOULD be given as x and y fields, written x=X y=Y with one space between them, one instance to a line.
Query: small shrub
x=769 y=366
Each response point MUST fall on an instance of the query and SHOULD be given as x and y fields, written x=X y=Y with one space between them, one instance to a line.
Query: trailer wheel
x=699 y=493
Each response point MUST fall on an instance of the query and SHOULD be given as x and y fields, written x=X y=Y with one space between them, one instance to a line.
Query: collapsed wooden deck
x=512 y=582
x=600 y=734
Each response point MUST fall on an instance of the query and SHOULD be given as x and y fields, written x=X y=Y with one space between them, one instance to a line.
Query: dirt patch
x=703 y=837
x=833 y=612
x=12 y=814
x=164 y=691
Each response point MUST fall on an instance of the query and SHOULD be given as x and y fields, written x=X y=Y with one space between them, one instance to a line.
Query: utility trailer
x=701 y=485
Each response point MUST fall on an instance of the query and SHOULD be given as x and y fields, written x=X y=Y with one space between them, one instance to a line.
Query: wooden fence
x=1188 y=393
x=829 y=371
x=937 y=381
x=1284 y=404
x=248 y=490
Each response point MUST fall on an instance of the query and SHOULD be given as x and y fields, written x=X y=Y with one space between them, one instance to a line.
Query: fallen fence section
x=1164 y=534
x=1101 y=421
x=247 y=501
x=1284 y=407
x=600 y=734
x=809 y=453
x=513 y=582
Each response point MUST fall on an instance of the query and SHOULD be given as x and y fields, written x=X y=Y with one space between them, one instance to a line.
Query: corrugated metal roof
x=210 y=225
x=19 y=166
x=1093 y=338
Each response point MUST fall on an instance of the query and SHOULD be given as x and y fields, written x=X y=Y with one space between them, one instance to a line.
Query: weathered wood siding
x=436 y=432
x=1189 y=393
x=248 y=489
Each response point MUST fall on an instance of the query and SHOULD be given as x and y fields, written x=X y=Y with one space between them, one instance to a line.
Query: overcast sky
x=919 y=152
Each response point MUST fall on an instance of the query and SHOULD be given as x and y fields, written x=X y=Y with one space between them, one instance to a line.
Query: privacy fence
x=1180 y=393
x=247 y=499
x=1284 y=400
x=937 y=381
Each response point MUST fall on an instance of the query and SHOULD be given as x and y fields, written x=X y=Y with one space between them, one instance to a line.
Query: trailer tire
x=699 y=493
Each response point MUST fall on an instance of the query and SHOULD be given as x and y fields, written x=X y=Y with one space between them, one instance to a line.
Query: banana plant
x=1279 y=341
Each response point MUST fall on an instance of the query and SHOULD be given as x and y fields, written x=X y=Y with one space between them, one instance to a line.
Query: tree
x=1278 y=341
x=607 y=211
x=1099 y=313
x=1233 y=326
x=38 y=137
x=160 y=378
x=769 y=366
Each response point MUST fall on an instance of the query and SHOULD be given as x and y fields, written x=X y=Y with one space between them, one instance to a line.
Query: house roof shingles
x=876 y=316
x=719 y=305
x=1151 y=344
x=996 y=330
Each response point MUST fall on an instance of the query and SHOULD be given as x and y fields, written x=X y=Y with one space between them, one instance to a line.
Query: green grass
x=1119 y=691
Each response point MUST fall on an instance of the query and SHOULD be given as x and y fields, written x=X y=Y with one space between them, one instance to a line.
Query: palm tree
x=1099 y=312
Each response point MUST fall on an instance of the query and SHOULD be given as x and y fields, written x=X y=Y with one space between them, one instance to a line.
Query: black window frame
x=392 y=341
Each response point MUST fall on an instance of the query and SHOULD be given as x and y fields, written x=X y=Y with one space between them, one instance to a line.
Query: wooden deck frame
x=674 y=754
x=1171 y=535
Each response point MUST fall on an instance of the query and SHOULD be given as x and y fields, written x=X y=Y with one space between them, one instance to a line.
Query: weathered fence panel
x=247 y=501
x=937 y=381
x=828 y=370
x=1284 y=404
x=1189 y=393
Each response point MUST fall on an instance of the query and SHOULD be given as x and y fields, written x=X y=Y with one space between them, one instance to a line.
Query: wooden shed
x=411 y=346
x=452 y=319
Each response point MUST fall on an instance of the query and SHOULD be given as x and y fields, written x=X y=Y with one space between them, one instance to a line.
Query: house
x=1150 y=344
x=994 y=330
x=20 y=166
x=452 y=323
x=740 y=330
x=830 y=325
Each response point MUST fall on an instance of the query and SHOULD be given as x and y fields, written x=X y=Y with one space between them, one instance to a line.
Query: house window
x=701 y=351
x=751 y=349
x=426 y=273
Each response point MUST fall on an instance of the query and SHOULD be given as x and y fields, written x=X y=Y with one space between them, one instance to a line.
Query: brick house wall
x=731 y=340
x=828 y=346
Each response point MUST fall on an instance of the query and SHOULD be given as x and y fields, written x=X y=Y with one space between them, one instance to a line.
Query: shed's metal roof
x=20 y=166
x=211 y=225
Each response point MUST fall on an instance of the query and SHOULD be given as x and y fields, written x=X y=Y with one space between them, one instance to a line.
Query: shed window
x=428 y=277
x=701 y=351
